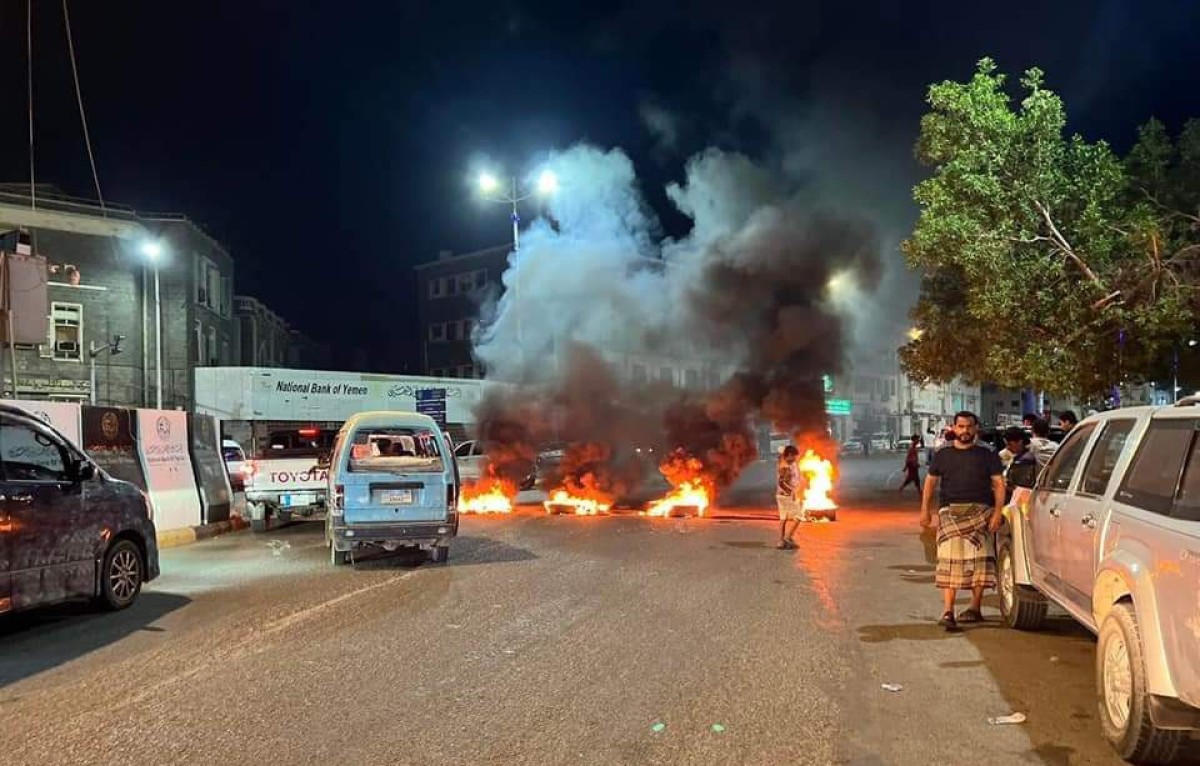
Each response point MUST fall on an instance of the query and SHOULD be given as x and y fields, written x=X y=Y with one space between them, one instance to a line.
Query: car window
x=30 y=454
x=1061 y=467
x=1187 y=502
x=1104 y=457
x=394 y=450
x=1153 y=476
x=464 y=449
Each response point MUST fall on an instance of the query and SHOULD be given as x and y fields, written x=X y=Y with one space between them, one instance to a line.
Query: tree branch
x=1065 y=246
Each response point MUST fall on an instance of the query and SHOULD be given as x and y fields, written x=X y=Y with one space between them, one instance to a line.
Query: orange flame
x=686 y=495
x=490 y=494
x=818 y=486
x=693 y=489
x=580 y=506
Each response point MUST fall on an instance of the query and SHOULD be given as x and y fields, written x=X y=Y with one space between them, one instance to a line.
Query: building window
x=226 y=355
x=691 y=378
x=437 y=332
x=480 y=279
x=666 y=375
x=226 y=296
x=452 y=330
x=210 y=348
x=435 y=287
x=66 y=331
x=451 y=285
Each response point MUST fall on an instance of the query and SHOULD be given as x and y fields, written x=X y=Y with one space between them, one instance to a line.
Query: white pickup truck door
x=1050 y=498
x=1083 y=512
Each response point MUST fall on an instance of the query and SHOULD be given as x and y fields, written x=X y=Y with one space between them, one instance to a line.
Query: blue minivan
x=393 y=483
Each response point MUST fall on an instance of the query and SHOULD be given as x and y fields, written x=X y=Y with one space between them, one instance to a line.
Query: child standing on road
x=787 y=487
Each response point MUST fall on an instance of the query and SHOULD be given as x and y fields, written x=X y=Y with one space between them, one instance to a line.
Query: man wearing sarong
x=970 y=506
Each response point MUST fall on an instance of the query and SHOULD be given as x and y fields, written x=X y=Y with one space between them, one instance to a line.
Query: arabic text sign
x=170 y=479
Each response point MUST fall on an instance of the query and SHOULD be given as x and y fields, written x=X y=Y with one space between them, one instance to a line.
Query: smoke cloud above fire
x=597 y=302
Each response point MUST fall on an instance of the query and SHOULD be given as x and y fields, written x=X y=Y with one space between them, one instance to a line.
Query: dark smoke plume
x=758 y=294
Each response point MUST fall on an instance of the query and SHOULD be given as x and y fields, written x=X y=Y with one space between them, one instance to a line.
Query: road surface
x=553 y=640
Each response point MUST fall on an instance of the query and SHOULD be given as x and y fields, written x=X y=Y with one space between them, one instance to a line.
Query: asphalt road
x=552 y=640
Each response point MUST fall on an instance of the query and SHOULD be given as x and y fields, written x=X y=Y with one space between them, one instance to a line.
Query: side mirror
x=1023 y=475
x=85 y=470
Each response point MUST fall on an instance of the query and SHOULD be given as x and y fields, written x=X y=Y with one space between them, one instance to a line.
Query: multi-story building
x=265 y=339
x=102 y=286
x=449 y=293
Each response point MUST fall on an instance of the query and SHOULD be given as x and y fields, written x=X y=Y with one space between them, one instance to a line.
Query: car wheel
x=1021 y=606
x=1124 y=700
x=121 y=575
x=439 y=554
x=338 y=558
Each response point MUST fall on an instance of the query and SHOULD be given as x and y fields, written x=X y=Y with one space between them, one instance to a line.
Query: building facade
x=101 y=287
x=450 y=291
x=265 y=339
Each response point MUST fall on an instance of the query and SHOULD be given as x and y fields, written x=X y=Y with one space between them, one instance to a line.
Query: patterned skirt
x=963 y=547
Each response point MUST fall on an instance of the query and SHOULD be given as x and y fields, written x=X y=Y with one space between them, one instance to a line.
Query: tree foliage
x=1048 y=261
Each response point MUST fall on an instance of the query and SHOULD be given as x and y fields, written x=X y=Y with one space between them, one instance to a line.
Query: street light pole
x=158 y=354
x=153 y=250
x=516 y=218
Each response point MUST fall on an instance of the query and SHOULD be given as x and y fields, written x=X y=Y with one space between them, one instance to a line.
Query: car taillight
x=337 y=500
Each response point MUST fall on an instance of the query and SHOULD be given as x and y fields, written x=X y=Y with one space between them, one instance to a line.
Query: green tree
x=1045 y=262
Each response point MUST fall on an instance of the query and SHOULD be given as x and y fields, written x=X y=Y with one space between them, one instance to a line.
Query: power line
x=29 y=68
x=87 y=139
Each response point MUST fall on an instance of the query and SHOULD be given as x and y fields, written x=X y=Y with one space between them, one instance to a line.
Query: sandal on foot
x=948 y=622
x=970 y=615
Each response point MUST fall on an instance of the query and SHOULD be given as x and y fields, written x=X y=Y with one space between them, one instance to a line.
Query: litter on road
x=718 y=728
x=891 y=687
x=656 y=728
x=1007 y=719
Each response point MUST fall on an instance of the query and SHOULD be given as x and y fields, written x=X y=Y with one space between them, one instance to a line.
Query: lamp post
x=489 y=185
x=547 y=184
x=153 y=251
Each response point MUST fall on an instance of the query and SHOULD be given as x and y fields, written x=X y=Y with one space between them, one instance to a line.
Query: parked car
x=1110 y=532
x=852 y=447
x=393 y=483
x=69 y=530
x=472 y=460
x=235 y=464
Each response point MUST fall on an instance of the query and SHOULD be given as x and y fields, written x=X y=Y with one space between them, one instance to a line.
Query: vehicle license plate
x=290 y=501
x=395 y=497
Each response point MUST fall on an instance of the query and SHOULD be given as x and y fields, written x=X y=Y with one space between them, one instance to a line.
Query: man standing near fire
x=971 y=504
x=789 y=486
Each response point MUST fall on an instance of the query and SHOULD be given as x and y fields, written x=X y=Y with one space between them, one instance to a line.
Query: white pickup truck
x=282 y=476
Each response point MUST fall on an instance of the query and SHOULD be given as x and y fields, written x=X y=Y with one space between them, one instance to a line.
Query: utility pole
x=113 y=347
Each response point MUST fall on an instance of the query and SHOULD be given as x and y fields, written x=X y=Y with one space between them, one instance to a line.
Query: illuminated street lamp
x=153 y=252
x=547 y=184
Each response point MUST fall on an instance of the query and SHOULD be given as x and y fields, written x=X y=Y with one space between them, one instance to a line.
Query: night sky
x=332 y=146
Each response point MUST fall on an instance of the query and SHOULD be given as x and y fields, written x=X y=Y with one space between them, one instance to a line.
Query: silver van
x=393 y=483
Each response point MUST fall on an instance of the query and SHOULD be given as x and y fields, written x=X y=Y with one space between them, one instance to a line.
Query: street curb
x=173 y=538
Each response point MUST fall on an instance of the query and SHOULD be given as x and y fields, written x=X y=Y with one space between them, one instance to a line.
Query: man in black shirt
x=970 y=505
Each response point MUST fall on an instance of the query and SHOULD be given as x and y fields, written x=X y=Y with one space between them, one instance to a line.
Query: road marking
x=291 y=619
